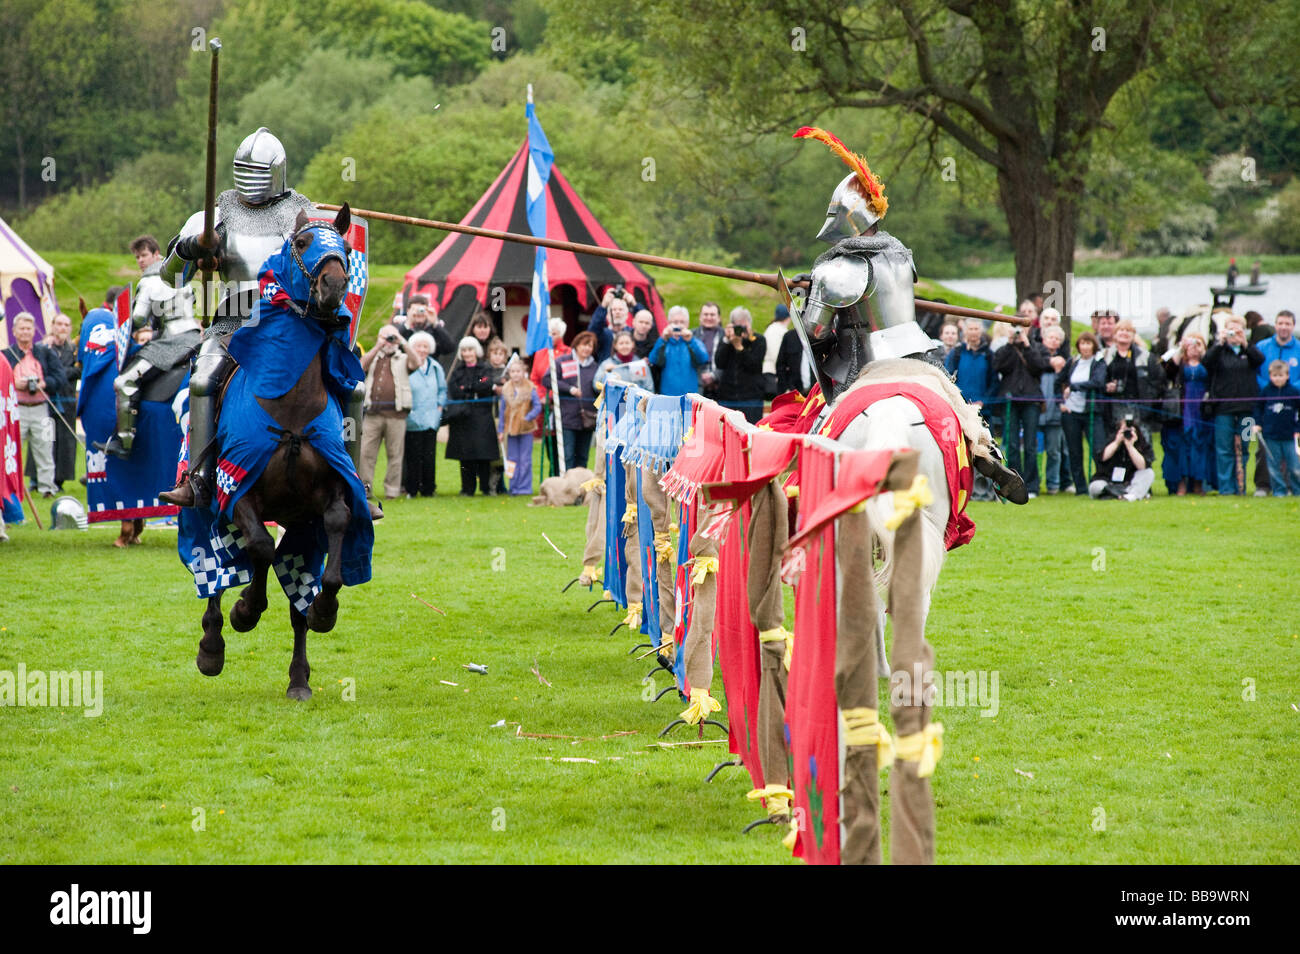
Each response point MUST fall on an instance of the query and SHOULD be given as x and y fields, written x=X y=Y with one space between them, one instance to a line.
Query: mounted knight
x=168 y=312
x=251 y=223
x=860 y=306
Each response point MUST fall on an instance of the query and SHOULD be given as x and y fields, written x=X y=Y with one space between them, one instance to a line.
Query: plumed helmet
x=260 y=173
x=66 y=513
x=849 y=214
x=858 y=202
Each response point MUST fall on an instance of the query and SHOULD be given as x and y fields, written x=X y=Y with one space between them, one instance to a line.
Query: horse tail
x=880 y=509
x=889 y=424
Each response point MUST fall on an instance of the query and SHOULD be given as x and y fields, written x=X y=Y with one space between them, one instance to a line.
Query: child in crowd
x=498 y=357
x=519 y=407
x=1279 y=429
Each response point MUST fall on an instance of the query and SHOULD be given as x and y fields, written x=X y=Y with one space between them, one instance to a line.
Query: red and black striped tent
x=460 y=273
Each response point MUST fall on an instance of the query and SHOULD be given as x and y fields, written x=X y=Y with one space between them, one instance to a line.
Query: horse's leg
x=260 y=548
x=212 y=648
x=299 y=669
x=324 y=610
x=911 y=834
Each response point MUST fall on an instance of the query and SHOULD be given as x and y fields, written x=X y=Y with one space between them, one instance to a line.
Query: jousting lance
x=208 y=240
x=775 y=280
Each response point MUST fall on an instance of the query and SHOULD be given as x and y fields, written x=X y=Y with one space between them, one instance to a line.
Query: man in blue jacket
x=679 y=354
x=971 y=362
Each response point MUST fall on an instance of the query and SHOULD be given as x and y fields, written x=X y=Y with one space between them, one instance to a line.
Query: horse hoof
x=320 y=621
x=210 y=664
x=299 y=693
x=242 y=619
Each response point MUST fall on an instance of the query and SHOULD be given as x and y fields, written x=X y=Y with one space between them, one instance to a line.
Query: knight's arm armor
x=162 y=305
x=882 y=280
x=247 y=234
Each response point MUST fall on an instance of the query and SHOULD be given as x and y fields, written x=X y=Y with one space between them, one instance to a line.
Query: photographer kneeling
x=1124 y=465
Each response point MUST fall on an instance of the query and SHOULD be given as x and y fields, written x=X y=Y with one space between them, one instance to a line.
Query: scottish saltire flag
x=540 y=158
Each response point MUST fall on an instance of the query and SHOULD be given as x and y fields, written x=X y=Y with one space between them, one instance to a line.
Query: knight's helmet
x=260 y=168
x=858 y=202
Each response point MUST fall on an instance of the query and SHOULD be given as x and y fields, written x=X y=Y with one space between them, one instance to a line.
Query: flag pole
x=540 y=289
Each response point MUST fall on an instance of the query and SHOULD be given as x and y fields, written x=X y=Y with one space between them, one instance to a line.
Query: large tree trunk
x=1043 y=216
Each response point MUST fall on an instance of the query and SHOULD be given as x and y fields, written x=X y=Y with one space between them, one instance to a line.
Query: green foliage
x=332 y=91
x=103 y=217
x=1280 y=218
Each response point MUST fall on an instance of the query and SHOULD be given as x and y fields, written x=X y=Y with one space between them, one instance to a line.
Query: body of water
x=1139 y=296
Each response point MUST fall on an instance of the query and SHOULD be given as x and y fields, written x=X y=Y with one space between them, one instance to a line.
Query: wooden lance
x=772 y=280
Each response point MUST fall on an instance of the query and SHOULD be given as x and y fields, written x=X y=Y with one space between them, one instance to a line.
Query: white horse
x=894 y=423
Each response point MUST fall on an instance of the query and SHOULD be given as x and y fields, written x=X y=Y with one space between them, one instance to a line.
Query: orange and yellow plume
x=873 y=188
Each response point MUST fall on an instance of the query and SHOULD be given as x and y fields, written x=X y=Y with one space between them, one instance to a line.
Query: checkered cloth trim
x=357 y=276
x=298 y=583
x=211 y=577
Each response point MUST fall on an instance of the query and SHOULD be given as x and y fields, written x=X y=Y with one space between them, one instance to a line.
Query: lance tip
x=214 y=44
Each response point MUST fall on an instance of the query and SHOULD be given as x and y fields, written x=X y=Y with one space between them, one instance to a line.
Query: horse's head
x=320 y=253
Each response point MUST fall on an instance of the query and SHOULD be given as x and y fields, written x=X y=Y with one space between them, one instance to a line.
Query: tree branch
x=962 y=98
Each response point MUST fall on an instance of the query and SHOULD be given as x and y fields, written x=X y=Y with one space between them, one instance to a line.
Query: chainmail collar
x=274 y=218
x=882 y=243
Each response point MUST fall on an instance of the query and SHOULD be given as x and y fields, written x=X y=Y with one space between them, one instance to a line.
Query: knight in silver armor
x=168 y=312
x=252 y=222
x=860 y=304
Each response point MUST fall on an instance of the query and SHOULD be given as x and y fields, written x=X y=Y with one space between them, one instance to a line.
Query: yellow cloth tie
x=862 y=727
x=925 y=747
x=596 y=483
x=667 y=648
x=792 y=491
x=703 y=567
x=777 y=798
x=793 y=835
x=777 y=635
x=633 y=617
x=907 y=501
x=702 y=704
x=629 y=517
x=592 y=574
x=664 y=546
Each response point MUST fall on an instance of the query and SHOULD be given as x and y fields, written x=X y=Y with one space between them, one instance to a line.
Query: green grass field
x=1148 y=658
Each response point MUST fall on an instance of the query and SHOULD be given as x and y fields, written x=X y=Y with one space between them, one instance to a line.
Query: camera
x=739 y=330
x=390 y=338
x=31 y=385
x=619 y=291
x=1128 y=420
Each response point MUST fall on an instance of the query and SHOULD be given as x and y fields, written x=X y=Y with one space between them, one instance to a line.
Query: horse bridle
x=302 y=267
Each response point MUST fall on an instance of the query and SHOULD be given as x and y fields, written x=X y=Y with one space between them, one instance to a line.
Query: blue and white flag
x=540 y=158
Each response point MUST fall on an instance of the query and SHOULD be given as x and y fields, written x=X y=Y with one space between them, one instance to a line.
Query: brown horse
x=297 y=487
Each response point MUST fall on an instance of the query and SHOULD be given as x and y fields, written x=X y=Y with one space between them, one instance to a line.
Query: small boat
x=1224 y=294
x=1257 y=289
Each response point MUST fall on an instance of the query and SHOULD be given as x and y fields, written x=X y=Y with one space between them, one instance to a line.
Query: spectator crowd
x=1091 y=407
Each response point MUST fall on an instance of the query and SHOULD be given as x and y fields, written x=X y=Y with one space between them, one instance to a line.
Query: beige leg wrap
x=593 y=554
x=856 y=689
x=768 y=531
x=911 y=802
x=704 y=606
